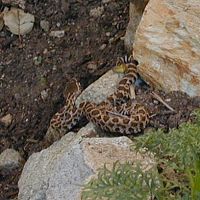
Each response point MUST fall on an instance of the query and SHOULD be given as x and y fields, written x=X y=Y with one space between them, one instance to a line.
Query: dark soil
x=23 y=81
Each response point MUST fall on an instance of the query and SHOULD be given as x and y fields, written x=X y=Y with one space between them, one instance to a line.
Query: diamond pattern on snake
x=118 y=113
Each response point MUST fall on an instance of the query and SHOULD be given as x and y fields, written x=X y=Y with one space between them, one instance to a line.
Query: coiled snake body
x=116 y=114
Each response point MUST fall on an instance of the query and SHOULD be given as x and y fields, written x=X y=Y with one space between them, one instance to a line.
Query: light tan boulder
x=167 y=45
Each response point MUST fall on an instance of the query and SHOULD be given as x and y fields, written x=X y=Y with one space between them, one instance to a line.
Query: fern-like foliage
x=180 y=147
x=178 y=164
x=123 y=182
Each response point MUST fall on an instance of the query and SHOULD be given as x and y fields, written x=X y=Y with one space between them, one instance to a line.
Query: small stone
x=108 y=34
x=17 y=96
x=168 y=100
x=44 y=25
x=37 y=60
x=44 y=94
x=45 y=51
x=111 y=40
x=96 y=12
x=54 y=68
x=92 y=66
x=10 y=159
x=58 y=24
x=114 y=23
x=102 y=47
x=6 y=120
x=155 y=102
x=57 y=34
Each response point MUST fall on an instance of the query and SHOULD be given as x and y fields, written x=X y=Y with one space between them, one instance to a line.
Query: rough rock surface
x=167 y=45
x=101 y=88
x=59 y=171
x=10 y=159
x=136 y=9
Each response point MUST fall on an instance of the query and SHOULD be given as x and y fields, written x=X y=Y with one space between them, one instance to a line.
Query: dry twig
x=156 y=96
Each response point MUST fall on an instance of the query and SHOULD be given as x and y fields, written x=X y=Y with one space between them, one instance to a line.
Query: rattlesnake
x=116 y=114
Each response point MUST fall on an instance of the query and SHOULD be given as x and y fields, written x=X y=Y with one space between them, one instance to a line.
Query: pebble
x=97 y=12
x=108 y=34
x=57 y=34
x=111 y=40
x=58 y=24
x=155 y=102
x=92 y=67
x=44 y=94
x=168 y=100
x=17 y=96
x=54 y=68
x=37 y=60
x=45 y=51
x=6 y=120
x=10 y=159
x=102 y=47
x=44 y=25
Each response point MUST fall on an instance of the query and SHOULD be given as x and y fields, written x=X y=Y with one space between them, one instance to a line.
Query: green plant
x=123 y=182
x=194 y=178
x=179 y=147
x=178 y=163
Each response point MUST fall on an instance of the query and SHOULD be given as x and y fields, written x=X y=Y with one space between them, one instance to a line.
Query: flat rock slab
x=101 y=88
x=59 y=171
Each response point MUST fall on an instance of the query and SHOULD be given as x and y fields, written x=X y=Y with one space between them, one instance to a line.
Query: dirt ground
x=32 y=91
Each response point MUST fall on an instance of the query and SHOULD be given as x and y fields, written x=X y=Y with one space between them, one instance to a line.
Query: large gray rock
x=54 y=173
x=59 y=171
x=167 y=45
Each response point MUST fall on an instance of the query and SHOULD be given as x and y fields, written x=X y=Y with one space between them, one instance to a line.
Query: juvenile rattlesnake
x=116 y=114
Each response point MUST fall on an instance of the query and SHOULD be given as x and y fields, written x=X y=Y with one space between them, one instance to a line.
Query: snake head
x=129 y=60
x=73 y=89
x=123 y=63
